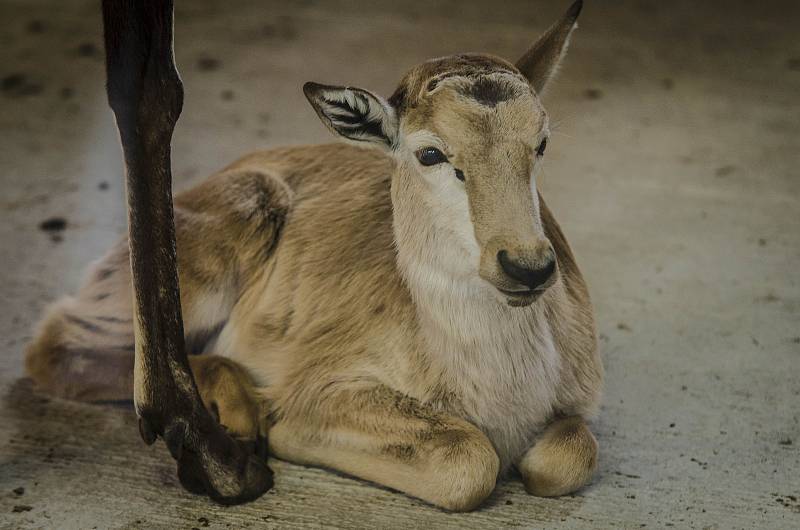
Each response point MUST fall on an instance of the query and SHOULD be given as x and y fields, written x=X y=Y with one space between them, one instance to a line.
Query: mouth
x=521 y=294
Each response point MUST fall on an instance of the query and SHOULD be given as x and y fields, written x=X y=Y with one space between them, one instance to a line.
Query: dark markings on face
x=398 y=99
x=427 y=76
x=489 y=92
x=469 y=66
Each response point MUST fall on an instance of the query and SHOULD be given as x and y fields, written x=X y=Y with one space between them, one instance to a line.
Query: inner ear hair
x=353 y=113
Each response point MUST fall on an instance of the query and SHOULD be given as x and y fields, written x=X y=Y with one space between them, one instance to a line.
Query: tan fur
x=562 y=460
x=227 y=390
x=361 y=292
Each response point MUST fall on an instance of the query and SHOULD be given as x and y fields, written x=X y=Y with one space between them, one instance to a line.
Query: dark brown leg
x=146 y=95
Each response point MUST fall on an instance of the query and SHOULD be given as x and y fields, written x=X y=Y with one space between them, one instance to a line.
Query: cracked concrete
x=673 y=169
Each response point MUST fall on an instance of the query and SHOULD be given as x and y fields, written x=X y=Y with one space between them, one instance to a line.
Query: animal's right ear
x=354 y=114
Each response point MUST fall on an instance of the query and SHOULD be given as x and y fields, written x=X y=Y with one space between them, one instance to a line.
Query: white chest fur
x=500 y=363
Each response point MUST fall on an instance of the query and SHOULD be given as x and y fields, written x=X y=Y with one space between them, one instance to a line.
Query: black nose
x=531 y=278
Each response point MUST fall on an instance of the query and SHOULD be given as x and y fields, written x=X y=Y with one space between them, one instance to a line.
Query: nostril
x=531 y=278
x=507 y=265
x=548 y=270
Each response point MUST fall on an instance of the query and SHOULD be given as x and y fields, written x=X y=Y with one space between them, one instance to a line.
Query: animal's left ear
x=541 y=61
x=354 y=114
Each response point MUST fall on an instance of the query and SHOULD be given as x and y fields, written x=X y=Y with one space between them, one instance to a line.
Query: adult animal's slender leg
x=146 y=95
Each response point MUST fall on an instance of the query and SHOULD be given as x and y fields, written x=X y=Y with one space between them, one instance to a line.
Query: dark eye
x=430 y=156
x=542 y=147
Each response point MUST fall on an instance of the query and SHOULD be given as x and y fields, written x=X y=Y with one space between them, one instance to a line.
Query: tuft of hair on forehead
x=491 y=78
x=489 y=90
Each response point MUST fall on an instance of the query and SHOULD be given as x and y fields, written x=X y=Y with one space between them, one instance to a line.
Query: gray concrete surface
x=673 y=169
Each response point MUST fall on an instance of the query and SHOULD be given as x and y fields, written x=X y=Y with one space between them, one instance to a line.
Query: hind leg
x=226 y=228
x=83 y=348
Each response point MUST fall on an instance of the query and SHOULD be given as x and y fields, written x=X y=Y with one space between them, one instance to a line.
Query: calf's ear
x=354 y=114
x=541 y=61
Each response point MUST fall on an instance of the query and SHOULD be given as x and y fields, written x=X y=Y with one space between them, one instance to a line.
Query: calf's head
x=468 y=134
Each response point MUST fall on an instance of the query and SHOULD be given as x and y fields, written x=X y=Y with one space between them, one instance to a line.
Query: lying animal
x=405 y=309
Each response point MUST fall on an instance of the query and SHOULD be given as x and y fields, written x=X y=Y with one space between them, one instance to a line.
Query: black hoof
x=257 y=481
x=210 y=461
x=246 y=477
x=146 y=432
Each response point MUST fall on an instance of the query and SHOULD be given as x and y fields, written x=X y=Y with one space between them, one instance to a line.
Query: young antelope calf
x=405 y=310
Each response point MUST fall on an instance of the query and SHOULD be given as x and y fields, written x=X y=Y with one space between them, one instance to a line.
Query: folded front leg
x=383 y=436
x=229 y=393
x=562 y=461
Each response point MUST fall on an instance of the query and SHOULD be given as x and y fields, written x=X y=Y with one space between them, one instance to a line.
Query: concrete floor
x=673 y=169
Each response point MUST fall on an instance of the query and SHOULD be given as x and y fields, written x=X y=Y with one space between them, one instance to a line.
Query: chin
x=522 y=300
